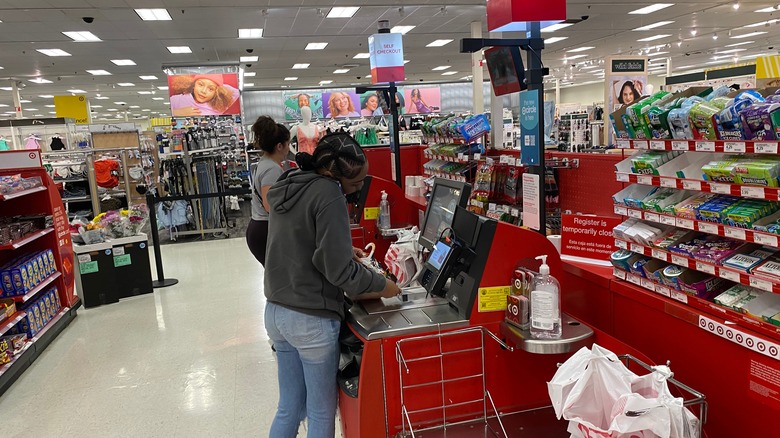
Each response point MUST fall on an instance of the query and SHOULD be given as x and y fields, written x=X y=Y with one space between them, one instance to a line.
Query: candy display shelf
x=26 y=239
x=746 y=191
x=734 y=275
x=461 y=158
x=742 y=234
x=721 y=146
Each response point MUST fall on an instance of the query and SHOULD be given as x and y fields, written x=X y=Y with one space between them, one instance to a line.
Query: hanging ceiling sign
x=515 y=15
x=387 y=57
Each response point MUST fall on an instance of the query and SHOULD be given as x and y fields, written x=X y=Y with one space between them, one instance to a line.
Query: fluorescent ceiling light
x=653 y=26
x=554 y=40
x=134 y=106
x=82 y=37
x=763 y=23
x=342 y=12
x=38 y=81
x=123 y=61
x=682 y=67
x=76 y=91
x=25 y=101
x=46 y=96
x=650 y=9
x=94 y=106
x=99 y=72
x=739 y=44
x=113 y=109
x=126 y=84
x=249 y=58
x=249 y=74
x=555 y=27
x=362 y=56
x=325 y=82
x=158 y=98
x=588 y=67
x=166 y=103
x=146 y=110
x=291 y=78
x=770 y=9
x=580 y=49
x=316 y=46
x=165 y=87
x=367 y=77
x=341 y=71
x=249 y=84
x=731 y=51
x=441 y=67
x=31 y=109
x=53 y=52
x=250 y=34
x=449 y=73
x=406 y=61
x=120 y=103
x=401 y=29
x=658 y=53
x=747 y=35
x=179 y=49
x=148 y=77
x=654 y=37
x=576 y=57
x=146 y=92
x=153 y=14
x=101 y=97
x=439 y=43
x=300 y=66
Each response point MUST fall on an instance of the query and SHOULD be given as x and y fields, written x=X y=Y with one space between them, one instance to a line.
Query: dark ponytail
x=268 y=134
x=338 y=153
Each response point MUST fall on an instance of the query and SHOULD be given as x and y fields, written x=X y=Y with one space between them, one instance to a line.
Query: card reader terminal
x=436 y=270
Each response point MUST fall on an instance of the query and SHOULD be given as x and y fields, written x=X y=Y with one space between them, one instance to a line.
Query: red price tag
x=668 y=220
x=644 y=179
x=621 y=244
x=761 y=284
x=681 y=261
x=663 y=290
x=652 y=217
x=685 y=223
x=734 y=146
x=752 y=192
x=621 y=211
x=622 y=177
x=647 y=284
x=637 y=214
x=658 y=145
x=619 y=273
x=634 y=279
x=624 y=144
x=640 y=144
x=692 y=185
x=637 y=248
x=765 y=148
x=679 y=296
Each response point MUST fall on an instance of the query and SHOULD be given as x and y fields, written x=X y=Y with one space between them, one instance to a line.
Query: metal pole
x=395 y=145
x=477 y=79
x=536 y=82
x=161 y=280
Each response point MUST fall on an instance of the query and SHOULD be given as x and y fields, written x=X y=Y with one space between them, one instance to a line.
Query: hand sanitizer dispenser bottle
x=545 y=304
x=383 y=221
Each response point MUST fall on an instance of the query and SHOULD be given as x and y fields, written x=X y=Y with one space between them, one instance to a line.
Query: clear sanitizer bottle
x=545 y=304
x=383 y=221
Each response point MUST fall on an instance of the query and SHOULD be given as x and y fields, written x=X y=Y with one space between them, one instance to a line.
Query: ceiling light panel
x=153 y=14
x=654 y=37
x=82 y=37
x=365 y=55
x=441 y=67
x=40 y=81
x=76 y=91
x=763 y=23
x=99 y=72
x=46 y=96
x=126 y=84
x=770 y=9
x=101 y=97
x=555 y=40
x=123 y=62
x=739 y=44
x=341 y=71
x=249 y=84
x=146 y=92
x=449 y=73
x=653 y=26
x=148 y=77
x=401 y=29
x=342 y=12
x=179 y=49
x=316 y=46
x=580 y=49
x=650 y=9
x=300 y=66
x=439 y=43
x=249 y=58
x=325 y=82
x=576 y=57
x=249 y=74
x=165 y=87
x=158 y=98
x=555 y=27
x=250 y=34
x=53 y=52
x=291 y=78
x=747 y=35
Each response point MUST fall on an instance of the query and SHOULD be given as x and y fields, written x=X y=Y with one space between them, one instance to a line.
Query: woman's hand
x=186 y=111
x=358 y=254
x=391 y=290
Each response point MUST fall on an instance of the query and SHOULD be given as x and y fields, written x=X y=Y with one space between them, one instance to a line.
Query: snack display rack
x=36 y=201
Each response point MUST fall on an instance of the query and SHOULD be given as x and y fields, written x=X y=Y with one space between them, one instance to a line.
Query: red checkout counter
x=451 y=358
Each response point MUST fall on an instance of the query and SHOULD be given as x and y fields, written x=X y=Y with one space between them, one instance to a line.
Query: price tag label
x=640 y=144
x=622 y=177
x=669 y=183
x=681 y=261
x=668 y=220
x=652 y=217
x=515 y=212
x=634 y=279
x=663 y=290
x=644 y=179
x=621 y=244
x=647 y=284
x=679 y=296
x=765 y=148
x=460 y=156
x=765 y=239
x=705 y=267
x=761 y=284
x=619 y=273
x=723 y=189
x=658 y=145
x=637 y=214
x=689 y=184
x=728 y=274
x=680 y=146
x=734 y=146
x=735 y=233
x=752 y=192
x=491 y=206
x=621 y=211
x=477 y=156
x=705 y=146
x=705 y=227
x=660 y=255
x=624 y=144
x=637 y=248
x=518 y=162
x=685 y=223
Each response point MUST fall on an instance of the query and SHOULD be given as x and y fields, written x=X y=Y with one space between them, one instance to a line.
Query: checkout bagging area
x=445 y=358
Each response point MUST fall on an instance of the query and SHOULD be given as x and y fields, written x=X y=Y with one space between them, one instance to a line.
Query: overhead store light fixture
x=739 y=44
x=401 y=29
x=300 y=66
x=650 y=9
x=123 y=62
x=179 y=49
x=249 y=74
x=146 y=92
x=580 y=49
x=340 y=71
x=449 y=73
x=53 y=52
x=156 y=14
x=342 y=12
x=291 y=78
x=82 y=37
x=763 y=23
x=574 y=57
x=438 y=43
x=326 y=82
x=39 y=81
x=747 y=35
x=652 y=26
x=99 y=72
x=250 y=34
x=441 y=67
x=555 y=40
x=362 y=56
x=101 y=97
x=316 y=46
x=76 y=91
x=249 y=58
x=148 y=77
x=654 y=37
x=165 y=87
x=46 y=96
x=126 y=84
x=770 y=9
x=555 y=27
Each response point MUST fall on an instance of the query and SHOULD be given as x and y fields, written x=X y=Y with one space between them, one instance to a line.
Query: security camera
x=771 y=47
x=249 y=66
x=585 y=17
x=250 y=50
x=88 y=19
x=358 y=77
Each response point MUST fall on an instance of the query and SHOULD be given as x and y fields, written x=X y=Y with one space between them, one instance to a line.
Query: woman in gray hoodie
x=310 y=265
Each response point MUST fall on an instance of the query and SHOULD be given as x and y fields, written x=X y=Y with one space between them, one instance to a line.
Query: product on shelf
x=704 y=118
x=689 y=208
x=746 y=261
x=15 y=228
x=679 y=120
x=15 y=183
x=24 y=273
x=647 y=163
x=761 y=121
x=664 y=200
x=636 y=114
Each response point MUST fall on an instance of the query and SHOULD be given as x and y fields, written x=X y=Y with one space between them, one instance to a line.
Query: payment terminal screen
x=439 y=255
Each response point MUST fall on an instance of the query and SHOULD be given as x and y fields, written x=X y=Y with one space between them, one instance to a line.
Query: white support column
x=668 y=67
x=17 y=99
x=557 y=92
x=478 y=105
x=496 y=111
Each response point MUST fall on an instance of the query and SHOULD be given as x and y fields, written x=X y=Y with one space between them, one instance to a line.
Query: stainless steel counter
x=574 y=335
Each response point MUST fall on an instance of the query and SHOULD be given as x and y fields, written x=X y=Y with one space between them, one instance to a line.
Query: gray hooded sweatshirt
x=309 y=262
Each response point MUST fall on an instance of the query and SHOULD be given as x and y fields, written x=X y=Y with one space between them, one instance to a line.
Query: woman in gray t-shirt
x=274 y=139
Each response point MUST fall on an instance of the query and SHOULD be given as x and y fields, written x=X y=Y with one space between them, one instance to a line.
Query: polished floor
x=191 y=360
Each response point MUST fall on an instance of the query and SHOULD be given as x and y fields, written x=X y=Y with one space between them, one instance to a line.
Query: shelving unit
x=722 y=146
x=746 y=191
x=43 y=200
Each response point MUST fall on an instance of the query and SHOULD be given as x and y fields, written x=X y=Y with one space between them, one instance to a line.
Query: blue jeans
x=307 y=353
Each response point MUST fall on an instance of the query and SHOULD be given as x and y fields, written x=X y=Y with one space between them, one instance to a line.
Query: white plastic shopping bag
x=564 y=379
x=402 y=258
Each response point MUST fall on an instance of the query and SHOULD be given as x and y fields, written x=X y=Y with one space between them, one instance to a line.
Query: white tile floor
x=191 y=360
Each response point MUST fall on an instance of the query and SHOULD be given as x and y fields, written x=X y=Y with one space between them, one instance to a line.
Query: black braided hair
x=338 y=153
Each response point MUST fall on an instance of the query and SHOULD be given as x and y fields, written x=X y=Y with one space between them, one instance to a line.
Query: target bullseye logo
x=761 y=347
x=750 y=342
x=33 y=155
x=773 y=350
x=720 y=330
x=711 y=327
x=729 y=334
x=703 y=323
x=514 y=309
x=740 y=338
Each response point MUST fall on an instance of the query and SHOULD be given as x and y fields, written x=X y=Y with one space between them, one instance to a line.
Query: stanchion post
x=161 y=280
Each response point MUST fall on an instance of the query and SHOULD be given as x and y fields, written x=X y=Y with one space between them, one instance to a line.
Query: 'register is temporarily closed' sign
x=588 y=236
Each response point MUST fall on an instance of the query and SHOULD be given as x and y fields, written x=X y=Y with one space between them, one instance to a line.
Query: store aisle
x=191 y=360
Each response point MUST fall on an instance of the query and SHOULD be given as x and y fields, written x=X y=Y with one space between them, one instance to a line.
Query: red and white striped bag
x=402 y=259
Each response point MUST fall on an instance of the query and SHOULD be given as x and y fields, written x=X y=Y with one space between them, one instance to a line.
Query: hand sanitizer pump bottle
x=545 y=304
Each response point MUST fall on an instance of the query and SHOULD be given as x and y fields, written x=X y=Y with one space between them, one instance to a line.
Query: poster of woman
x=341 y=104
x=294 y=101
x=422 y=100
x=204 y=94
x=370 y=104
x=626 y=90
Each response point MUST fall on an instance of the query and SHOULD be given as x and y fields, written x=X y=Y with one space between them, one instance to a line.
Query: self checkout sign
x=386 y=57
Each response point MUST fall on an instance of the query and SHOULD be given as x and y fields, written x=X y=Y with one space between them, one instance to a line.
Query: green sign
x=122 y=260
x=88 y=268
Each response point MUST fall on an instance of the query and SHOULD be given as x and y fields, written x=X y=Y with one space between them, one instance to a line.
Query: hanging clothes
x=31 y=142
x=306 y=143
x=4 y=145
x=107 y=173
x=57 y=144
